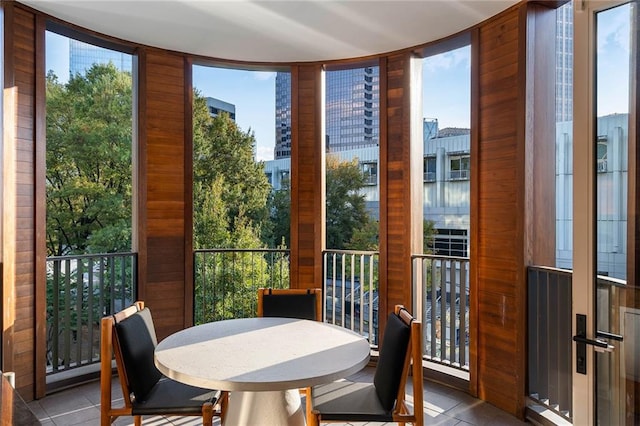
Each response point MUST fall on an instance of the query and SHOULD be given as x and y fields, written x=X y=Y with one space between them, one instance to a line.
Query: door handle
x=600 y=345
x=582 y=341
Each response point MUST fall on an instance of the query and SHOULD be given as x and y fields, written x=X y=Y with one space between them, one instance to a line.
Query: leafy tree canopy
x=88 y=178
x=230 y=187
x=346 y=208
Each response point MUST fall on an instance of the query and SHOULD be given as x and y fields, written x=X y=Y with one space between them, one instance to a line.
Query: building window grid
x=459 y=166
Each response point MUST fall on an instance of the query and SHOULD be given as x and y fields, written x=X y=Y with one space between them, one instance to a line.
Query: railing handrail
x=438 y=257
x=353 y=252
x=229 y=250
x=90 y=255
x=551 y=269
x=615 y=282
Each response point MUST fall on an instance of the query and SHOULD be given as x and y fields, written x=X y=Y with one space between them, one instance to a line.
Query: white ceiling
x=275 y=31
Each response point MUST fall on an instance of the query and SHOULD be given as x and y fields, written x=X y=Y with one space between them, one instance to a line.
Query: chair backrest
x=391 y=362
x=135 y=341
x=290 y=303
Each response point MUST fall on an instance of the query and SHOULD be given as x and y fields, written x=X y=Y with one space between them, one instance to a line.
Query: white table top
x=261 y=354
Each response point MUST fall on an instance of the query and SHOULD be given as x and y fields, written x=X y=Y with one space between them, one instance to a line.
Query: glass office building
x=83 y=55
x=352 y=110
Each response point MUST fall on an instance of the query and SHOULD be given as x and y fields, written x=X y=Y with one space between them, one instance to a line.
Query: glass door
x=606 y=293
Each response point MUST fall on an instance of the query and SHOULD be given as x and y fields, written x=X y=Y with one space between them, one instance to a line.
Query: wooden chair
x=130 y=336
x=290 y=303
x=383 y=400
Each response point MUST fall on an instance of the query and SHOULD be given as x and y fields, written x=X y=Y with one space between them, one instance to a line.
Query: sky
x=446 y=82
x=612 y=58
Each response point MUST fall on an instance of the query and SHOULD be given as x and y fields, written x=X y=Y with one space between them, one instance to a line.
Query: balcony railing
x=225 y=286
x=351 y=291
x=549 y=325
x=80 y=291
x=444 y=284
x=226 y=281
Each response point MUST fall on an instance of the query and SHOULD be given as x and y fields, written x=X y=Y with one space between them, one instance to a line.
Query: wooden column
x=401 y=185
x=19 y=204
x=307 y=176
x=513 y=208
x=162 y=185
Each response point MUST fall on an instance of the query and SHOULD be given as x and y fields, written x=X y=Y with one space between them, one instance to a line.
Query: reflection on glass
x=617 y=313
x=564 y=136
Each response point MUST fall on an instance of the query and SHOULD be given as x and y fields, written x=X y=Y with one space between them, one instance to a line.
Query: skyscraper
x=352 y=110
x=564 y=63
x=83 y=55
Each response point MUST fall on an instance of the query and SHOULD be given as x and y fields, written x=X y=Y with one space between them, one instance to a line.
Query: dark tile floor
x=443 y=406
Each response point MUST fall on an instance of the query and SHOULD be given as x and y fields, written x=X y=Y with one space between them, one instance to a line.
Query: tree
x=346 y=208
x=428 y=236
x=279 y=207
x=88 y=177
x=230 y=193
x=223 y=157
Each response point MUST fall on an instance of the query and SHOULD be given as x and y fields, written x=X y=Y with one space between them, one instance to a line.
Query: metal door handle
x=600 y=346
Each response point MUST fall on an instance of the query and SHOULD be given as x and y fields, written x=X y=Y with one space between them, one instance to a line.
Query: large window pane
x=241 y=197
x=352 y=129
x=446 y=80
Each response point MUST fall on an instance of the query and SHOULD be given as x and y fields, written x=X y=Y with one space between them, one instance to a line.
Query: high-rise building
x=83 y=55
x=352 y=110
x=283 y=115
x=564 y=63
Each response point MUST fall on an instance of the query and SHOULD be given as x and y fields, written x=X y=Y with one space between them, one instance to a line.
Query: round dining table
x=263 y=362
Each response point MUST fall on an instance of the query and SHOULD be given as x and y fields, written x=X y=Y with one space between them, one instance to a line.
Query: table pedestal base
x=277 y=408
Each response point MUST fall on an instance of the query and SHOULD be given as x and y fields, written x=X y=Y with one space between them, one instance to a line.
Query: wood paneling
x=400 y=185
x=307 y=176
x=513 y=207
x=19 y=203
x=499 y=259
x=163 y=188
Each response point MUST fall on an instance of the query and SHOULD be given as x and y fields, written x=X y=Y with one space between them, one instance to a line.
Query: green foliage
x=230 y=191
x=223 y=153
x=349 y=225
x=346 y=209
x=428 y=236
x=88 y=182
x=277 y=231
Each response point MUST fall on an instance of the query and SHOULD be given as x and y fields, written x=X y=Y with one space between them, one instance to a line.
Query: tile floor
x=443 y=406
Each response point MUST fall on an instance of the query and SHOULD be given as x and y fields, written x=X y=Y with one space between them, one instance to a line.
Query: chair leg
x=137 y=420
x=207 y=414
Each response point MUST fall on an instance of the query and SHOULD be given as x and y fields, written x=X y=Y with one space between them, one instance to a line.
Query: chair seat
x=349 y=401
x=162 y=399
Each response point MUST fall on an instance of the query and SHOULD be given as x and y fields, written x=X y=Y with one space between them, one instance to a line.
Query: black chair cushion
x=349 y=402
x=171 y=397
x=301 y=306
x=393 y=352
x=137 y=339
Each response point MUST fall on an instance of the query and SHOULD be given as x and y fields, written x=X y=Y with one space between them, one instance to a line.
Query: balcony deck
x=443 y=406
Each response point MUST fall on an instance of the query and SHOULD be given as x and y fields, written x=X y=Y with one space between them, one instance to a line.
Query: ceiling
x=275 y=30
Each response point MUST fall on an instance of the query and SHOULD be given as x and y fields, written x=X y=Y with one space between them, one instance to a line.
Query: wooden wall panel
x=400 y=199
x=307 y=176
x=19 y=203
x=162 y=187
x=499 y=220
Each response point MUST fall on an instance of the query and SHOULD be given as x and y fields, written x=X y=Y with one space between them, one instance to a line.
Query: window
x=602 y=154
x=370 y=172
x=459 y=167
x=429 y=169
x=450 y=242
